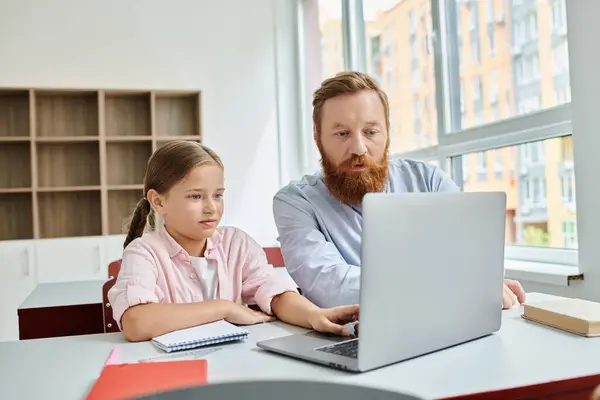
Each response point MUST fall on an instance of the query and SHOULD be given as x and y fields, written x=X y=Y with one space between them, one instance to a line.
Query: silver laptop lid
x=432 y=272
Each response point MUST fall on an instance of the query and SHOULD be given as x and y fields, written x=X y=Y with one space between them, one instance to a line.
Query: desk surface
x=521 y=353
x=64 y=294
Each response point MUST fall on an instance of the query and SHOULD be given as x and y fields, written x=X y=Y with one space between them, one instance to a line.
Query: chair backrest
x=110 y=325
x=274 y=257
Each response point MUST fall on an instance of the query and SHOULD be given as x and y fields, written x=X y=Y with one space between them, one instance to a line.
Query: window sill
x=546 y=273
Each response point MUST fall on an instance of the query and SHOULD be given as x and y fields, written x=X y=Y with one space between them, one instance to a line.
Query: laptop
x=431 y=278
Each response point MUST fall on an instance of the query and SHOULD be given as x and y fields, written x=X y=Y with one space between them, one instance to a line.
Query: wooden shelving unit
x=72 y=161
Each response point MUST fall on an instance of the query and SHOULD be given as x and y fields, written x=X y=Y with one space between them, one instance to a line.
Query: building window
x=569 y=229
x=477 y=88
x=568 y=187
x=492 y=41
x=475 y=50
x=481 y=166
x=498 y=166
x=465 y=167
x=490 y=10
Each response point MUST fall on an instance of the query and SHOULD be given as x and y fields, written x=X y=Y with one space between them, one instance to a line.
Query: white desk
x=521 y=353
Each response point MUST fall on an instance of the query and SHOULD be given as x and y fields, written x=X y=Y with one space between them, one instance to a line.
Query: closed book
x=126 y=381
x=577 y=316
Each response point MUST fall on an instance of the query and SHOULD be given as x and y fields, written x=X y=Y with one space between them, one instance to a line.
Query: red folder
x=124 y=381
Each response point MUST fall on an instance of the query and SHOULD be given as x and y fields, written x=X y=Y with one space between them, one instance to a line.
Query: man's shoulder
x=403 y=167
x=304 y=187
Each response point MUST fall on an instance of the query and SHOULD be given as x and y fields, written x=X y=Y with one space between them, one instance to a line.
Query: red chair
x=274 y=257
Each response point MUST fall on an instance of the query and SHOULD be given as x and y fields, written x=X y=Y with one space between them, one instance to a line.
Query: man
x=319 y=218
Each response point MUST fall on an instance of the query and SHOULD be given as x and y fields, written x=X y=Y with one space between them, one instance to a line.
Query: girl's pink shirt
x=156 y=269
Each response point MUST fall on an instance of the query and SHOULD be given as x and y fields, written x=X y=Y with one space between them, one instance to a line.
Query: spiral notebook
x=198 y=336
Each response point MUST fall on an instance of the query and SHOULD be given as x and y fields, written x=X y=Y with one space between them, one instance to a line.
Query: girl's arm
x=146 y=321
x=296 y=309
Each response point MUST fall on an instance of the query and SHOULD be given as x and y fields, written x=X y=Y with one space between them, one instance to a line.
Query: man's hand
x=242 y=315
x=332 y=320
x=512 y=289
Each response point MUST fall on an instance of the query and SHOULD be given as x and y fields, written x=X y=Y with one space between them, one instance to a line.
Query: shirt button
x=193 y=276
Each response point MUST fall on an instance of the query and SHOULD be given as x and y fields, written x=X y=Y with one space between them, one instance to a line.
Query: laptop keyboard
x=348 y=348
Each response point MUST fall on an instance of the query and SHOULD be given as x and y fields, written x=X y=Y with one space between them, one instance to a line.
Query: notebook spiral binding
x=190 y=344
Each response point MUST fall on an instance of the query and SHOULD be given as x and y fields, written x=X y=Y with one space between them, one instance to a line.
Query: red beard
x=350 y=187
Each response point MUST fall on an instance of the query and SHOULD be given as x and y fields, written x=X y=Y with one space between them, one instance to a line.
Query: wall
x=231 y=50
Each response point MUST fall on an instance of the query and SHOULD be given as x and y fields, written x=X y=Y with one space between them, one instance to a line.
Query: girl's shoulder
x=150 y=243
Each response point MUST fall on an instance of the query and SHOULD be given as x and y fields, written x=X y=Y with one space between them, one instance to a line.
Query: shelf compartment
x=14 y=113
x=121 y=204
x=128 y=114
x=68 y=164
x=66 y=113
x=15 y=165
x=126 y=162
x=177 y=115
x=16 y=215
x=67 y=214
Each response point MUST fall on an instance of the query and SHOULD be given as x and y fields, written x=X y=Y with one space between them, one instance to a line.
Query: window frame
x=570 y=118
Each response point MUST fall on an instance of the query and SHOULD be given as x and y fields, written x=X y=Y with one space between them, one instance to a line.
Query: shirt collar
x=175 y=248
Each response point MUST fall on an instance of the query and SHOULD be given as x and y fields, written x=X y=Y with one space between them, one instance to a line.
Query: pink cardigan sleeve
x=260 y=281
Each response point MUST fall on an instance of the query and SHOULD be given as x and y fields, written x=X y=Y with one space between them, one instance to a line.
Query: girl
x=192 y=272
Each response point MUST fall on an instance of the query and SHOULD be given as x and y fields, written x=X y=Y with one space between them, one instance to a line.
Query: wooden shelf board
x=66 y=139
x=130 y=138
x=125 y=187
x=10 y=139
x=170 y=138
x=16 y=190
x=51 y=189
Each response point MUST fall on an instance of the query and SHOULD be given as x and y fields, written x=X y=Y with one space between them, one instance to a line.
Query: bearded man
x=319 y=218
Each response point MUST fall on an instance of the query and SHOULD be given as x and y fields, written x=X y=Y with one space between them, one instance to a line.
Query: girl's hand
x=241 y=315
x=332 y=320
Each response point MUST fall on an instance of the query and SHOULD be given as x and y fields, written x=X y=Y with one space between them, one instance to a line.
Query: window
x=332 y=45
x=408 y=23
x=570 y=234
x=534 y=208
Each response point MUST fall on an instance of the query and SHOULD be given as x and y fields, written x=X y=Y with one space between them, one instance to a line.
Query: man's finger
x=517 y=289
x=328 y=326
x=344 y=313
